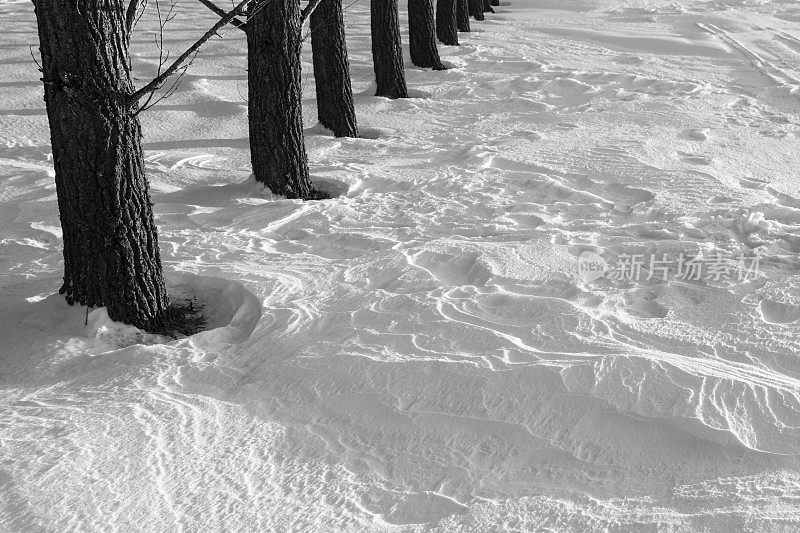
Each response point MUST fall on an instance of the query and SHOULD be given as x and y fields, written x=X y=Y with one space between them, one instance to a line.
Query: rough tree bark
x=462 y=15
x=387 y=50
x=476 y=9
x=111 y=255
x=422 y=35
x=446 y=22
x=277 y=147
x=335 y=108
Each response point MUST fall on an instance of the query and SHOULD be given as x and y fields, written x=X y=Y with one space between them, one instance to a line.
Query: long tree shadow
x=188 y=144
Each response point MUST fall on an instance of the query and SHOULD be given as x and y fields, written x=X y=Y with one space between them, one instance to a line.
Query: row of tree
x=111 y=253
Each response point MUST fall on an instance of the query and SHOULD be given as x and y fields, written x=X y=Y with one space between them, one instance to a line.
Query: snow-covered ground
x=420 y=353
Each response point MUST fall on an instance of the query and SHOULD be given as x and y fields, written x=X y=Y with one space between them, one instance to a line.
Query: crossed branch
x=188 y=55
x=159 y=80
x=304 y=15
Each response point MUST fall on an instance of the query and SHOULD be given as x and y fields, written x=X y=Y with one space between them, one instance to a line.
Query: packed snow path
x=426 y=356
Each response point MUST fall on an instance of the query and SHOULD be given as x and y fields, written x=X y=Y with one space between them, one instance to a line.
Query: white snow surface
x=419 y=353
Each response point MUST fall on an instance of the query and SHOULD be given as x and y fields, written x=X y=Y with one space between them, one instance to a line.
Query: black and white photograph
x=399 y=266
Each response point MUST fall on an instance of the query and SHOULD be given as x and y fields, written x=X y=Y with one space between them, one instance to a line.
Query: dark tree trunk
x=387 y=50
x=277 y=148
x=111 y=255
x=422 y=35
x=476 y=9
x=487 y=7
x=446 y=22
x=494 y=2
x=332 y=70
x=462 y=15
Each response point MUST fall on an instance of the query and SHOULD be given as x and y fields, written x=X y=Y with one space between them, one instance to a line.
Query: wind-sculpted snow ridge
x=421 y=352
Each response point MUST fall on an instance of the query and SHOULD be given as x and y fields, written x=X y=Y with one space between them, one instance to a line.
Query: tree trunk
x=446 y=22
x=387 y=50
x=476 y=9
x=277 y=148
x=462 y=15
x=335 y=108
x=494 y=2
x=422 y=35
x=487 y=7
x=111 y=255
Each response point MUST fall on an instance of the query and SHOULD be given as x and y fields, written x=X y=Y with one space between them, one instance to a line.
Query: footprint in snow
x=643 y=304
x=753 y=183
x=694 y=134
x=695 y=159
x=773 y=312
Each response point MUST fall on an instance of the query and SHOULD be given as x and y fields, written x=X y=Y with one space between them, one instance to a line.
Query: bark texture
x=487 y=7
x=462 y=15
x=335 y=108
x=422 y=35
x=387 y=50
x=446 y=29
x=111 y=255
x=476 y=9
x=277 y=147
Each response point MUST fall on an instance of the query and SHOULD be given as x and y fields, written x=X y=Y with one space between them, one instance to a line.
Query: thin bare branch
x=312 y=5
x=221 y=12
x=311 y=29
x=35 y=60
x=159 y=80
x=134 y=13
x=162 y=57
x=130 y=15
x=149 y=103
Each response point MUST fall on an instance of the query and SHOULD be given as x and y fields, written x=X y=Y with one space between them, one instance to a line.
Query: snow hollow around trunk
x=227 y=314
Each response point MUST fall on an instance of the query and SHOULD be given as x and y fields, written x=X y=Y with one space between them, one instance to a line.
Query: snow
x=420 y=352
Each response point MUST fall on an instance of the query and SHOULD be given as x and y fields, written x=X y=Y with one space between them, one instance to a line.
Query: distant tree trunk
x=111 y=255
x=277 y=147
x=422 y=35
x=462 y=15
x=476 y=9
x=446 y=22
x=387 y=50
x=335 y=108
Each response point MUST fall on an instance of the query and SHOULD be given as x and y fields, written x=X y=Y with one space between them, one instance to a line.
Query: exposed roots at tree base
x=182 y=318
x=317 y=194
x=73 y=298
